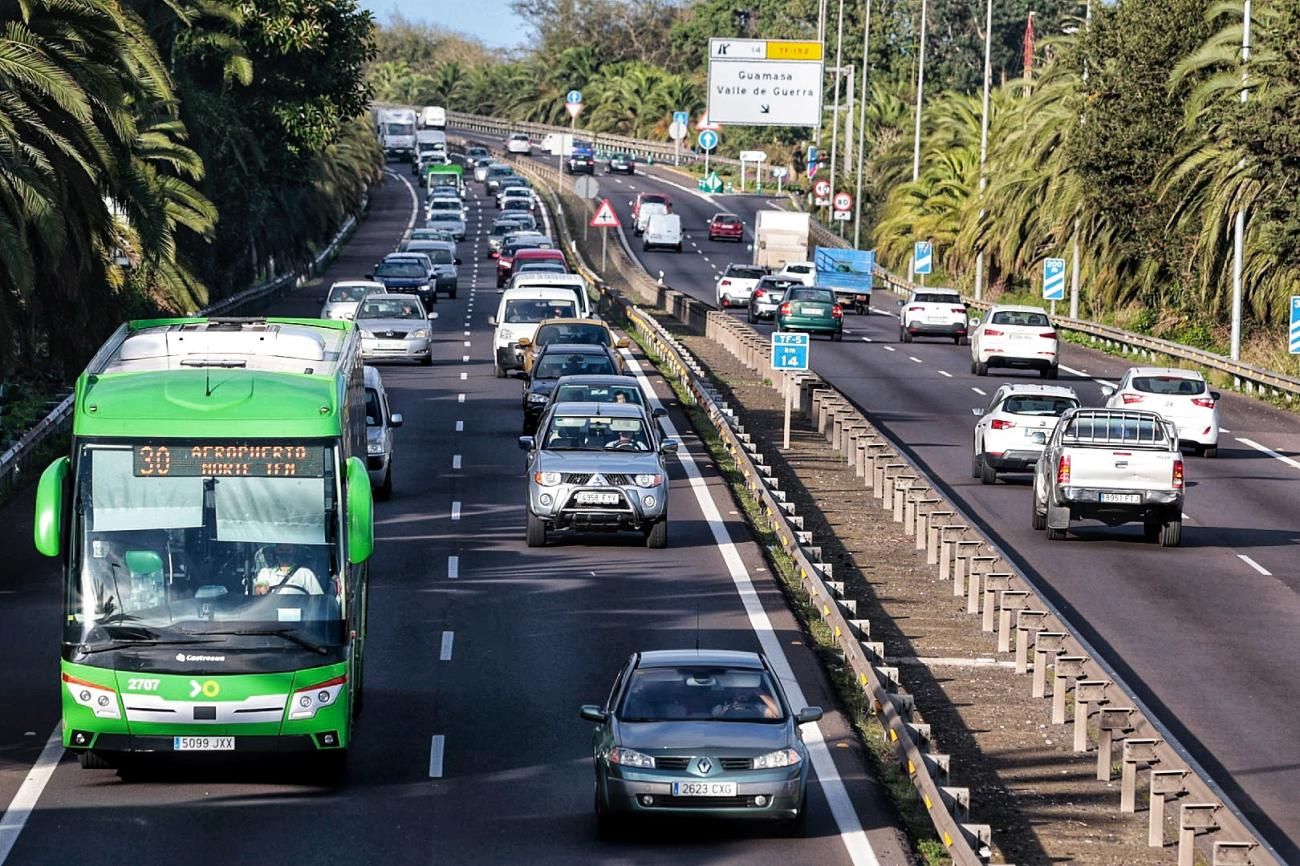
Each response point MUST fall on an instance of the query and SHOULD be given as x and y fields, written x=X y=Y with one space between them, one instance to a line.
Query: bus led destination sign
x=233 y=459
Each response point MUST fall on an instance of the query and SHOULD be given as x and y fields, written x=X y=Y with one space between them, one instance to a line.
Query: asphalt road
x=1207 y=633
x=470 y=749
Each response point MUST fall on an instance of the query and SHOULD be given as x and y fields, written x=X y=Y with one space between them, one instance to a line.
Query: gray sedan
x=597 y=467
x=394 y=328
x=699 y=732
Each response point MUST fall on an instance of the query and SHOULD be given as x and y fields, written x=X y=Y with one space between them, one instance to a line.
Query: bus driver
x=283 y=570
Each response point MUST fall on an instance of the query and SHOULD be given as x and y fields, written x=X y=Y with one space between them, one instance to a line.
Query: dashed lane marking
x=1253 y=564
x=453 y=567
x=448 y=638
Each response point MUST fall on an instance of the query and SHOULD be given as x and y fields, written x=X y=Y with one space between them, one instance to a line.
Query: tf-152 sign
x=765 y=82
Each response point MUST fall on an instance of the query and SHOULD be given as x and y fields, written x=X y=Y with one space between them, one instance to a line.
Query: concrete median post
x=994 y=583
x=1086 y=693
x=1028 y=624
x=1110 y=722
x=902 y=485
x=963 y=552
x=921 y=524
x=1164 y=783
x=878 y=455
x=936 y=522
x=1009 y=604
x=860 y=456
x=950 y=535
x=1231 y=854
x=1047 y=644
x=1068 y=669
x=1194 y=818
x=1136 y=750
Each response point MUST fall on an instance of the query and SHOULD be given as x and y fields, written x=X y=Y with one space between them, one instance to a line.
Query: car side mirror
x=492 y=320
x=659 y=412
x=395 y=420
x=1107 y=390
x=902 y=303
x=977 y=412
x=370 y=276
x=669 y=446
x=593 y=713
x=459 y=262
x=321 y=299
x=433 y=315
x=975 y=322
x=629 y=204
x=809 y=714
x=361 y=507
x=527 y=443
x=51 y=494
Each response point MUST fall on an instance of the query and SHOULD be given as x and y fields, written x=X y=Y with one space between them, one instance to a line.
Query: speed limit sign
x=822 y=189
x=843 y=201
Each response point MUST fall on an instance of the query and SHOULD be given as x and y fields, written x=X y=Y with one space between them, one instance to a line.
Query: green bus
x=213 y=521
x=445 y=175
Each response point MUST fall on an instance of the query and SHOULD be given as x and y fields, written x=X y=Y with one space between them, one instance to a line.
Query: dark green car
x=812 y=310
x=700 y=732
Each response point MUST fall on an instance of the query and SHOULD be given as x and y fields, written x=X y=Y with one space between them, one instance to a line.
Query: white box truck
x=433 y=117
x=397 y=133
x=779 y=237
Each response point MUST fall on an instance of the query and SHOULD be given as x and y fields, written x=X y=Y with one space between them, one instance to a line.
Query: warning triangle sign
x=604 y=217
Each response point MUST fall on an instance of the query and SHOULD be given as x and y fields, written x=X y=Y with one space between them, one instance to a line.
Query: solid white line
x=851 y=832
x=460 y=426
x=1269 y=451
x=435 y=756
x=453 y=567
x=978 y=391
x=945 y=373
x=916 y=359
x=455 y=461
x=455 y=511
x=888 y=348
x=1224 y=430
x=415 y=200
x=29 y=792
x=444 y=654
x=1255 y=565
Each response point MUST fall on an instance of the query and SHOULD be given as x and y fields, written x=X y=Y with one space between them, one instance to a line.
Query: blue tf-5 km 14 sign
x=789 y=351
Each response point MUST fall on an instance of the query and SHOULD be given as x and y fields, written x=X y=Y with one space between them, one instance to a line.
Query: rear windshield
x=342 y=294
x=744 y=272
x=444 y=216
x=1031 y=320
x=726 y=219
x=1171 y=385
x=500 y=171
x=401 y=269
x=594 y=335
x=780 y=284
x=527 y=244
x=546 y=266
x=1035 y=405
x=523 y=310
x=935 y=298
x=654 y=198
x=1116 y=428
x=444 y=203
x=439 y=255
x=804 y=294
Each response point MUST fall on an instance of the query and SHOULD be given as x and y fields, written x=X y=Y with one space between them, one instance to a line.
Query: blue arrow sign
x=1053 y=279
x=708 y=140
x=1295 y=324
x=574 y=97
x=682 y=117
x=789 y=351
x=923 y=256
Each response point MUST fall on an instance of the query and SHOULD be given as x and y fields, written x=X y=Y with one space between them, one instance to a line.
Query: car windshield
x=821 y=296
x=595 y=433
x=390 y=308
x=574 y=393
x=744 y=272
x=526 y=310
x=1039 y=405
x=687 y=694
x=344 y=294
x=438 y=254
x=1174 y=386
x=553 y=365
x=575 y=332
x=1019 y=317
x=401 y=269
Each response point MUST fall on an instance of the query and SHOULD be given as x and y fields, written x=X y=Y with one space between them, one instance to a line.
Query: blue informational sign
x=812 y=160
x=923 y=257
x=789 y=351
x=574 y=97
x=1053 y=279
x=682 y=117
x=847 y=270
x=708 y=140
x=1295 y=324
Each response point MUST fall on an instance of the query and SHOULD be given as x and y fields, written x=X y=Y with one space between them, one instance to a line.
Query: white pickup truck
x=1112 y=465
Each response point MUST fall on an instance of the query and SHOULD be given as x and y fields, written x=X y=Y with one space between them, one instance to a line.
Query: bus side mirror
x=50 y=492
x=361 y=512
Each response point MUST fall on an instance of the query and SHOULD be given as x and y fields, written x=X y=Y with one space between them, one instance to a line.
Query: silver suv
x=597 y=467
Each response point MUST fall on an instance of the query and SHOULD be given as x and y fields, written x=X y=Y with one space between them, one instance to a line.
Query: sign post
x=757 y=157
x=707 y=140
x=586 y=187
x=765 y=82
x=779 y=172
x=1295 y=325
x=1053 y=281
x=842 y=204
x=789 y=354
x=572 y=104
x=922 y=259
x=677 y=131
x=604 y=218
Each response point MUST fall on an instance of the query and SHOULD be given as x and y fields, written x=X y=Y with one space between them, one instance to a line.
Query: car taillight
x=1131 y=398
x=725 y=282
x=961 y=310
x=1048 y=335
x=1063 y=469
x=999 y=424
x=758 y=294
x=1203 y=402
x=1178 y=473
x=785 y=309
x=916 y=309
x=993 y=332
x=837 y=312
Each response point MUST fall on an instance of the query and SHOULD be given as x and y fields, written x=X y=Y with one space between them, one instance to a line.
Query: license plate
x=392 y=344
x=935 y=319
x=812 y=311
x=203 y=744
x=1122 y=498
x=1020 y=336
x=704 y=789
x=598 y=498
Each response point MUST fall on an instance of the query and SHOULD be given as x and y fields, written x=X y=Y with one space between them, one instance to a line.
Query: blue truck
x=849 y=272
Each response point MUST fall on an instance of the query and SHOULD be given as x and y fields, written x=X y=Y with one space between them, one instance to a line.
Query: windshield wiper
x=124 y=643
x=291 y=635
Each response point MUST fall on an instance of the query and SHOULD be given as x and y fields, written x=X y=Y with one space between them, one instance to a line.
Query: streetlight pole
x=916 y=142
x=821 y=37
x=1239 y=228
x=835 y=113
x=862 y=129
x=1074 y=243
x=984 y=137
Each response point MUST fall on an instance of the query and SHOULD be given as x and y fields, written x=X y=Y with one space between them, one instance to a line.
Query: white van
x=430 y=147
x=519 y=314
x=645 y=211
x=663 y=230
x=433 y=117
x=381 y=421
x=575 y=283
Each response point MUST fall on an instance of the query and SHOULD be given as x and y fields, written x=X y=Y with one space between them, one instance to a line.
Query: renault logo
x=704 y=765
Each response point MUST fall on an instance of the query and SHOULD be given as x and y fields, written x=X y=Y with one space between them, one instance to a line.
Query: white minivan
x=519 y=313
x=663 y=230
x=645 y=211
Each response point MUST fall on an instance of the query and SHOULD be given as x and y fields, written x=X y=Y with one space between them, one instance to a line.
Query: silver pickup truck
x=1112 y=465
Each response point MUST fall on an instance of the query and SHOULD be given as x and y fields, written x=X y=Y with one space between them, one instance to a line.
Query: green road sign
x=710 y=183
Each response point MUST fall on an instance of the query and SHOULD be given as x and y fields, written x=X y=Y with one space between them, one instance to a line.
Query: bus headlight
x=100 y=700
x=305 y=702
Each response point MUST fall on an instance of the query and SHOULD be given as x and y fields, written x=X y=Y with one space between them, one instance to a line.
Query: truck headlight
x=648 y=480
x=547 y=479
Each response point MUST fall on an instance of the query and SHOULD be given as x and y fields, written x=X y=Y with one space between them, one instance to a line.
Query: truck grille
x=614 y=479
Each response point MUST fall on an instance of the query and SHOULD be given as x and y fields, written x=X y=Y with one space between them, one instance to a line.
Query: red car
x=507 y=262
x=726 y=227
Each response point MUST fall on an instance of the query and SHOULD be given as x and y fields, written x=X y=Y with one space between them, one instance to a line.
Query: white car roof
x=1172 y=372
x=789 y=265
x=369 y=284
x=1016 y=308
x=544 y=279
x=1046 y=390
x=537 y=293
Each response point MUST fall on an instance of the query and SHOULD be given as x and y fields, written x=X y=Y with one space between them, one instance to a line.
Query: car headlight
x=630 y=758
x=367 y=334
x=375 y=447
x=506 y=335
x=547 y=479
x=423 y=288
x=779 y=758
x=421 y=334
x=648 y=480
x=538 y=398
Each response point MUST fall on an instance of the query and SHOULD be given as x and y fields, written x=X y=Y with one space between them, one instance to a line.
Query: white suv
x=519 y=143
x=1013 y=429
x=1180 y=396
x=932 y=313
x=736 y=283
x=1014 y=337
x=805 y=272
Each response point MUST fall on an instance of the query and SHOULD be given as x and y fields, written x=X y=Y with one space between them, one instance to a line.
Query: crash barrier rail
x=1085 y=692
x=1244 y=377
x=18 y=459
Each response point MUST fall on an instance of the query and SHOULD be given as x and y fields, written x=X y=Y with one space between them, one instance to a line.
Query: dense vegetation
x=1128 y=136
x=156 y=154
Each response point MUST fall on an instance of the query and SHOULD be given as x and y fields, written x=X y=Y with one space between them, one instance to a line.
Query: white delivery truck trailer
x=780 y=237
x=397 y=133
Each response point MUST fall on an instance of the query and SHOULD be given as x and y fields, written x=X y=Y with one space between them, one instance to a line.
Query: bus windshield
x=176 y=540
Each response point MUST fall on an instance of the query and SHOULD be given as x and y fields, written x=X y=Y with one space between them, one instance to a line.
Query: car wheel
x=1210 y=451
x=1050 y=373
x=536 y=531
x=1171 y=532
x=956 y=341
x=797 y=827
x=93 y=760
x=981 y=369
x=838 y=336
x=972 y=366
x=988 y=475
x=752 y=316
x=1039 y=519
x=656 y=536
x=904 y=336
x=645 y=248
x=452 y=294
x=427 y=360
x=679 y=248
x=1055 y=534
x=386 y=489
x=498 y=372
x=975 y=465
